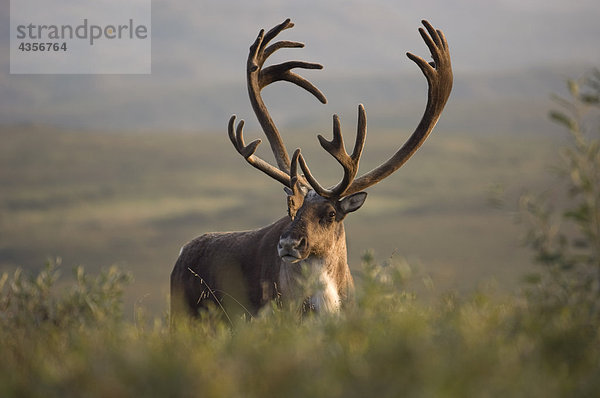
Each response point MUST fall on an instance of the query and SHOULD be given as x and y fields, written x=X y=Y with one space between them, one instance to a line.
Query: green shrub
x=390 y=343
x=36 y=301
x=564 y=225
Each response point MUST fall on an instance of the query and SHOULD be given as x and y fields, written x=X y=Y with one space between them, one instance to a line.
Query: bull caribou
x=249 y=269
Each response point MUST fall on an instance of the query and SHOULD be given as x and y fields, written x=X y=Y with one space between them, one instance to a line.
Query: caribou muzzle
x=292 y=249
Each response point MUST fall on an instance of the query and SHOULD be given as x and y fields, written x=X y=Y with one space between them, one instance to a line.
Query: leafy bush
x=389 y=344
x=32 y=302
x=564 y=228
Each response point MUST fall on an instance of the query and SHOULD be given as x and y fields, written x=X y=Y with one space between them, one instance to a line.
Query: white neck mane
x=310 y=278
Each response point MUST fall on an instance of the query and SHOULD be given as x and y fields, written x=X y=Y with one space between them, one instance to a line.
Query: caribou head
x=259 y=265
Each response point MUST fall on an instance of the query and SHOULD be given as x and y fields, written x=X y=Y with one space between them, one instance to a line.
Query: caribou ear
x=353 y=202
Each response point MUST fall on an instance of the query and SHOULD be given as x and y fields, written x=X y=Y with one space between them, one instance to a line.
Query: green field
x=71 y=341
x=441 y=309
x=133 y=199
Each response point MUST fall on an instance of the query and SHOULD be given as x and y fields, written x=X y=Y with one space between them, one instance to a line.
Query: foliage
x=565 y=228
x=389 y=344
x=34 y=302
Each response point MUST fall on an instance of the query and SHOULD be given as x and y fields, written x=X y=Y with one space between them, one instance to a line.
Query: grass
x=391 y=343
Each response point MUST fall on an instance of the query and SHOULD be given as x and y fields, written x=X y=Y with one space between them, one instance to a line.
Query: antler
x=439 y=79
x=296 y=191
x=257 y=79
x=336 y=148
x=247 y=151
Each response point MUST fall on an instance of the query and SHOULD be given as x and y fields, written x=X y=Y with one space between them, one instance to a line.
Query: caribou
x=248 y=269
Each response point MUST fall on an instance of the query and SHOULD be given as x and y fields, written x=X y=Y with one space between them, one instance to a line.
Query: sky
x=198 y=47
x=372 y=36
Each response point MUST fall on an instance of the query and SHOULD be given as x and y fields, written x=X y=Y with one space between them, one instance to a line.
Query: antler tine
x=294 y=168
x=281 y=44
x=439 y=81
x=258 y=78
x=275 y=31
x=283 y=71
x=336 y=148
x=247 y=151
x=296 y=190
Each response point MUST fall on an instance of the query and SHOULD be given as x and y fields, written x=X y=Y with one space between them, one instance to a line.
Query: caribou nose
x=288 y=243
x=292 y=249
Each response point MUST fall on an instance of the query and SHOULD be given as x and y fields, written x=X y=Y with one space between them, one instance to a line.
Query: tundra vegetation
x=60 y=338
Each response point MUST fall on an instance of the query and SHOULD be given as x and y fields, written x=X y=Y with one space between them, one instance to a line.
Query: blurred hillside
x=98 y=198
x=480 y=103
